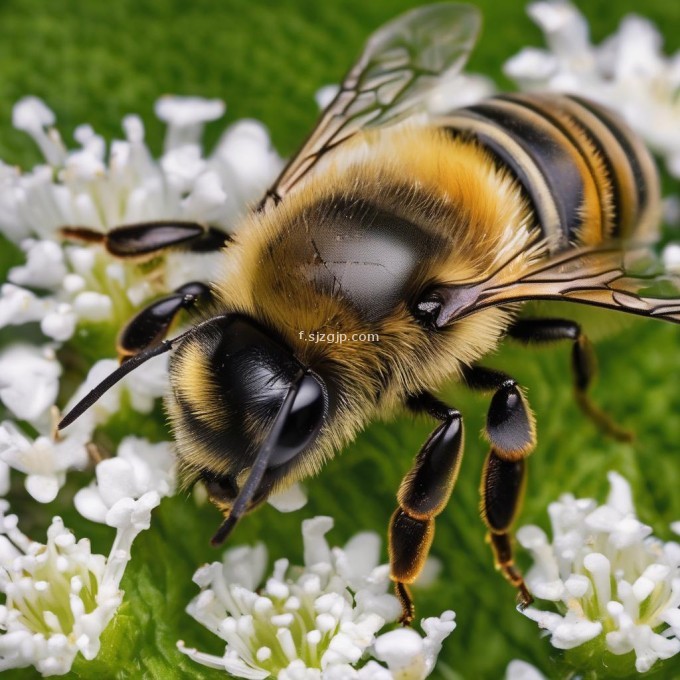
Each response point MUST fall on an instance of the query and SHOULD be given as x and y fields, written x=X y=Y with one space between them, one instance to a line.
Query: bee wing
x=402 y=62
x=632 y=281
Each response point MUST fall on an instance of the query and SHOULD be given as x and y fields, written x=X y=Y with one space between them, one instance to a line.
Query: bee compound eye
x=303 y=422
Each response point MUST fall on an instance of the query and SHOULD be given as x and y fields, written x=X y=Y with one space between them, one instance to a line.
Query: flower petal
x=521 y=670
x=90 y=505
x=42 y=487
x=291 y=499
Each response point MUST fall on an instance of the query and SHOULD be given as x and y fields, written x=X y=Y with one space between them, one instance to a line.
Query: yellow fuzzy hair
x=452 y=189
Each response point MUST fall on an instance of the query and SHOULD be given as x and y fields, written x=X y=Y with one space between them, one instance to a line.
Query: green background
x=95 y=62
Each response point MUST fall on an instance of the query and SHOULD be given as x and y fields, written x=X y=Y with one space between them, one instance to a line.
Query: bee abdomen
x=586 y=175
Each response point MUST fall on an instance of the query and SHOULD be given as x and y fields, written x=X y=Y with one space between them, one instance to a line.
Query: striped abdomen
x=587 y=176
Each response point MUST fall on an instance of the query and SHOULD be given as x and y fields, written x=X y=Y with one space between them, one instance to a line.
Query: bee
x=427 y=232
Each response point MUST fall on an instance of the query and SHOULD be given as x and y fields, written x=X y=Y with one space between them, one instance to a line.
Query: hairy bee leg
x=583 y=362
x=511 y=432
x=422 y=496
x=149 y=239
x=502 y=492
x=150 y=326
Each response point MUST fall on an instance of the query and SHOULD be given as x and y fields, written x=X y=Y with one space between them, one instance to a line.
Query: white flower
x=316 y=621
x=185 y=117
x=671 y=258
x=407 y=655
x=612 y=584
x=19 y=306
x=60 y=596
x=29 y=381
x=521 y=670
x=99 y=189
x=62 y=286
x=138 y=468
x=44 y=268
x=45 y=459
x=289 y=500
x=130 y=186
x=60 y=322
x=32 y=116
x=247 y=166
x=628 y=72
x=29 y=389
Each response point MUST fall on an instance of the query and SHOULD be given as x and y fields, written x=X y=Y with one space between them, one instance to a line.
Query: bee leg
x=511 y=433
x=149 y=239
x=422 y=495
x=502 y=492
x=583 y=362
x=150 y=325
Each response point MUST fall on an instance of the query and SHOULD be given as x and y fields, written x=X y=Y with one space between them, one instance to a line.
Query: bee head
x=229 y=382
x=244 y=410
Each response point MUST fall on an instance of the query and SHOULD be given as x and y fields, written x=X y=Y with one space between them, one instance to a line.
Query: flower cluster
x=613 y=585
x=45 y=459
x=628 y=72
x=59 y=597
x=63 y=286
x=320 y=620
x=91 y=187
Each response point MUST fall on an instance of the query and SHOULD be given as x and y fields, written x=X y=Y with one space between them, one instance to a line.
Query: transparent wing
x=633 y=281
x=402 y=63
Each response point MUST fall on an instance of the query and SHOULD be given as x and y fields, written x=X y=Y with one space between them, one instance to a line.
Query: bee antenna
x=130 y=364
x=105 y=385
x=125 y=368
x=258 y=468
